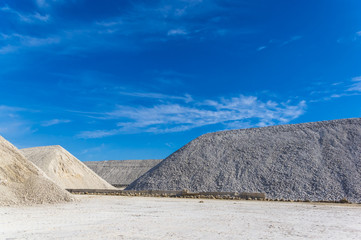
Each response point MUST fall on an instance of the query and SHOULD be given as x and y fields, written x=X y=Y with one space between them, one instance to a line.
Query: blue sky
x=139 y=79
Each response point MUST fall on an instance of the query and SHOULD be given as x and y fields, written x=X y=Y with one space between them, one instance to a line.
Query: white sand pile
x=21 y=182
x=314 y=161
x=121 y=173
x=64 y=169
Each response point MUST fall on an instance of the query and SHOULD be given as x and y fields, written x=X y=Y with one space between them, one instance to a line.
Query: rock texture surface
x=121 y=173
x=21 y=182
x=64 y=169
x=314 y=161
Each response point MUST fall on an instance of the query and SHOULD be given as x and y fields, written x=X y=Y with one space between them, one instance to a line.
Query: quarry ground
x=114 y=217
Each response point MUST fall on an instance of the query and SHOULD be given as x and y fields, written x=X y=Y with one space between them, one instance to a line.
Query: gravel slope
x=21 y=182
x=121 y=173
x=315 y=161
x=64 y=169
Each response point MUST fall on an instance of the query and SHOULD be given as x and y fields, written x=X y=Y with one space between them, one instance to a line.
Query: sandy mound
x=121 y=173
x=315 y=161
x=64 y=169
x=23 y=183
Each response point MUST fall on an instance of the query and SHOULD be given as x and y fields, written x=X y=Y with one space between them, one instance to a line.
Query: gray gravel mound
x=121 y=172
x=315 y=161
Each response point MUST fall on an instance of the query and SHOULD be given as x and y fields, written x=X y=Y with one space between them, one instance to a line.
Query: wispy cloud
x=232 y=113
x=153 y=21
x=49 y=3
x=54 y=122
x=355 y=37
x=28 y=18
x=166 y=20
x=178 y=31
x=158 y=96
x=17 y=41
x=336 y=90
x=138 y=23
x=93 y=149
x=170 y=77
x=30 y=41
x=8 y=49
x=98 y=133
x=41 y=3
x=9 y=110
x=11 y=123
x=261 y=48
x=279 y=43
x=355 y=86
x=292 y=39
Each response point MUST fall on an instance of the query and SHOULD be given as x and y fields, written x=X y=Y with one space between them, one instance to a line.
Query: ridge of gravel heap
x=64 y=169
x=21 y=182
x=319 y=161
x=121 y=172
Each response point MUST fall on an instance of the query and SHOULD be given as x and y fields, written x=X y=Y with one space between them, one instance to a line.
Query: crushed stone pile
x=121 y=173
x=310 y=161
x=64 y=169
x=21 y=182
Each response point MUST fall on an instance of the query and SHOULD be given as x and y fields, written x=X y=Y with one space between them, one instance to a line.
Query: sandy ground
x=114 y=217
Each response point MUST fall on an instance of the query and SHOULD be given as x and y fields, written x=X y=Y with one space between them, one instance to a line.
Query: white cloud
x=7 y=109
x=242 y=111
x=150 y=22
x=47 y=3
x=356 y=87
x=292 y=39
x=28 y=18
x=8 y=49
x=41 y=3
x=35 y=41
x=336 y=90
x=159 y=96
x=279 y=43
x=177 y=32
x=42 y=18
x=112 y=23
x=54 y=122
x=93 y=149
x=174 y=18
x=98 y=133
x=18 y=41
x=11 y=124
